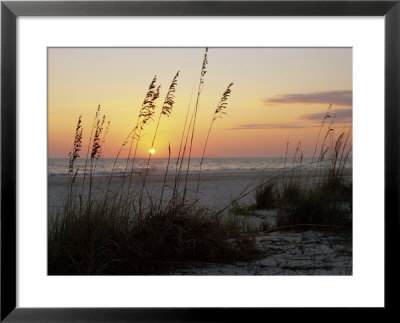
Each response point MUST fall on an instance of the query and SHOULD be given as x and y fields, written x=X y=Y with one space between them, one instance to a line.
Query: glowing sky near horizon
x=279 y=95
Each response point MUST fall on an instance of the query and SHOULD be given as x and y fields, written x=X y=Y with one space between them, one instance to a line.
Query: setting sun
x=152 y=151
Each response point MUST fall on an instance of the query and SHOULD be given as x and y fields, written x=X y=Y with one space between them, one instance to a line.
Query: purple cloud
x=331 y=97
x=342 y=116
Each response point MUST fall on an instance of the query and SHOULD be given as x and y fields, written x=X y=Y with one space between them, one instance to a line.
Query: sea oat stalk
x=218 y=113
x=194 y=117
x=77 y=146
x=166 y=110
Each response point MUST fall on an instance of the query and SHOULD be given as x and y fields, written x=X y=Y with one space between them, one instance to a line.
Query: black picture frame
x=10 y=10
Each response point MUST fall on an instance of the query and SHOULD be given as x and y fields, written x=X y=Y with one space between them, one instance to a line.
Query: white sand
x=290 y=253
x=215 y=190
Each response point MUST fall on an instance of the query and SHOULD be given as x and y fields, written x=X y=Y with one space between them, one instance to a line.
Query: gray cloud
x=252 y=126
x=331 y=97
x=342 y=116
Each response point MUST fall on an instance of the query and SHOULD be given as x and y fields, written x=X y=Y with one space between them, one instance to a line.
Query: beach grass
x=324 y=195
x=130 y=231
x=101 y=242
x=265 y=197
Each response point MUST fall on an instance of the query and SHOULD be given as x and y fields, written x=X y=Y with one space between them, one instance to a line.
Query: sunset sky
x=279 y=95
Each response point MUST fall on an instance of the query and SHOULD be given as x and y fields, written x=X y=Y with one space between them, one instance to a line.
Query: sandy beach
x=216 y=189
x=289 y=253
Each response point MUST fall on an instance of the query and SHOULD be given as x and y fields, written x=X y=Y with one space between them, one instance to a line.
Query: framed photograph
x=194 y=156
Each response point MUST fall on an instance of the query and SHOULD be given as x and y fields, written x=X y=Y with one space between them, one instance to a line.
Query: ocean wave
x=58 y=167
x=172 y=172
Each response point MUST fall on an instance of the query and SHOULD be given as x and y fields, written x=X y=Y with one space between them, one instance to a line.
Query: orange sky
x=279 y=94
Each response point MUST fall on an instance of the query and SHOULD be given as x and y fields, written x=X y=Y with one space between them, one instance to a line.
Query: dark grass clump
x=322 y=198
x=291 y=193
x=88 y=241
x=242 y=209
x=325 y=198
x=100 y=242
x=265 y=197
x=322 y=205
x=186 y=234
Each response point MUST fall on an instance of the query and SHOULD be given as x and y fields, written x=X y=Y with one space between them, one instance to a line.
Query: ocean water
x=59 y=166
